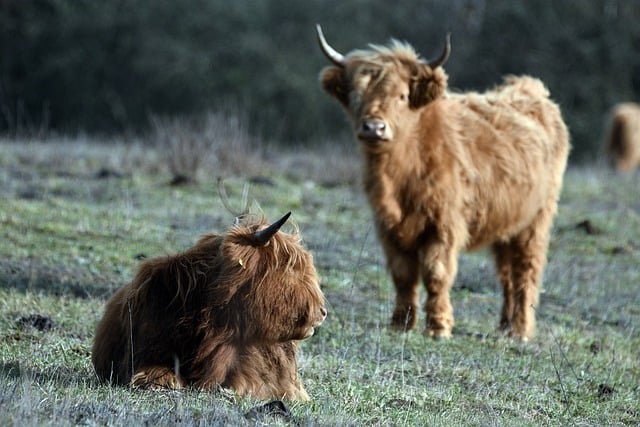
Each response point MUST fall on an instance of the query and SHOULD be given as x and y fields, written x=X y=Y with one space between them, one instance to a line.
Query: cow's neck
x=388 y=175
x=396 y=164
x=395 y=176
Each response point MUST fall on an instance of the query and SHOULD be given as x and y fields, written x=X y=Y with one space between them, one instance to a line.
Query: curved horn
x=264 y=235
x=333 y=55
x=435 y=63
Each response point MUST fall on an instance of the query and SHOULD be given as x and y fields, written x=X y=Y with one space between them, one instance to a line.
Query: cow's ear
x=334 y=82
x=426 y=85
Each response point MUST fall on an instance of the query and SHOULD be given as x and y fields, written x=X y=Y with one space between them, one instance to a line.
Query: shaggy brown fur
x=449 y=172
x=623 y=137
x=226 y=312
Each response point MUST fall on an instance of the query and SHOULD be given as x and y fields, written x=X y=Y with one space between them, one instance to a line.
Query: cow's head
x=268 y=285
x=383 y=88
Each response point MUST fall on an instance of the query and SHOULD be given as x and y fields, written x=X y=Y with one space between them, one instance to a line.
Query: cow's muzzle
x=374 y=130
x=322 y=315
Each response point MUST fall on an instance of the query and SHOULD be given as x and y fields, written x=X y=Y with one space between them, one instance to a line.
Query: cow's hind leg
x=528 y=258
x=157 y=377
x=404 y=270
x=503 y=257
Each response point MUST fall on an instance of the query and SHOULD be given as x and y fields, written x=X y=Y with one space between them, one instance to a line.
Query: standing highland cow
x=446 y=172
x=623 y=137
x=226 y=312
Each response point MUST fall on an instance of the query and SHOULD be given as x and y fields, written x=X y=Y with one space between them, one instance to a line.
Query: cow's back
x=516 y=147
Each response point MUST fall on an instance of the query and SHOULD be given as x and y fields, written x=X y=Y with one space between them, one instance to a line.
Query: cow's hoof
x=439 y=334
x=156 y=378
x=518 y=337
x=404 y=319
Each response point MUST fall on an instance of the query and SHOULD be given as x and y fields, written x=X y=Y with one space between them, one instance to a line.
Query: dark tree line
x=107 y=67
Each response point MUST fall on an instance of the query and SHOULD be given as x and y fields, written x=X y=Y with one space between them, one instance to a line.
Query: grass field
x=76 y=216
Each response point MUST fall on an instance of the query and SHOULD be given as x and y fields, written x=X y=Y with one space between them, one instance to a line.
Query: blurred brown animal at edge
x=623 y=137
x=227 y=312
x=447 y=172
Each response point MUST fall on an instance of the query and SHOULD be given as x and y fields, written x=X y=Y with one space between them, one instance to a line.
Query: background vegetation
x=84 y=65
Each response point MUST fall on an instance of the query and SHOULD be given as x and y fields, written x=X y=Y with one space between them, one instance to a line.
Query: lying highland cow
x=623 y=137
x=226 y=312
x=446 y=172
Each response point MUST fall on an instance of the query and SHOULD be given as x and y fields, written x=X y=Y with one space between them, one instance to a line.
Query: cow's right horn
x=435 y=63
x=333 y=55
x=263 y=236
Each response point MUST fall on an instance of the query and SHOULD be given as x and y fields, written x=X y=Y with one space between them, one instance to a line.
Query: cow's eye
x=403 y=97
x=301 y=320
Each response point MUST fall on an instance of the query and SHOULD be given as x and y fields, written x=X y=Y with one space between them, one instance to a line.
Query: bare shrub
x=213 y=141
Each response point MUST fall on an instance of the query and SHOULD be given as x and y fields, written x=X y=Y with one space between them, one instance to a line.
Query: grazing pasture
x=76 y=218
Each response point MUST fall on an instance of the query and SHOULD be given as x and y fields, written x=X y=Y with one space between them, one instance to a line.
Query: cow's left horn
x=333 y=55
x=263 y=236
x=435 y=63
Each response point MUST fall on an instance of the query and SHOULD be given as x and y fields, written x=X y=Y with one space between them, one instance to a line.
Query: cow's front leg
x=157 y=377
x=404 y=268
x=440 y=265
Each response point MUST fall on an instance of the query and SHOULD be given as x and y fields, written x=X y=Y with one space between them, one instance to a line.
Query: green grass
x=69 y=239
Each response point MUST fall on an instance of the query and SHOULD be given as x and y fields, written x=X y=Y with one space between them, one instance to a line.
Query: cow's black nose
x=372 y=129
